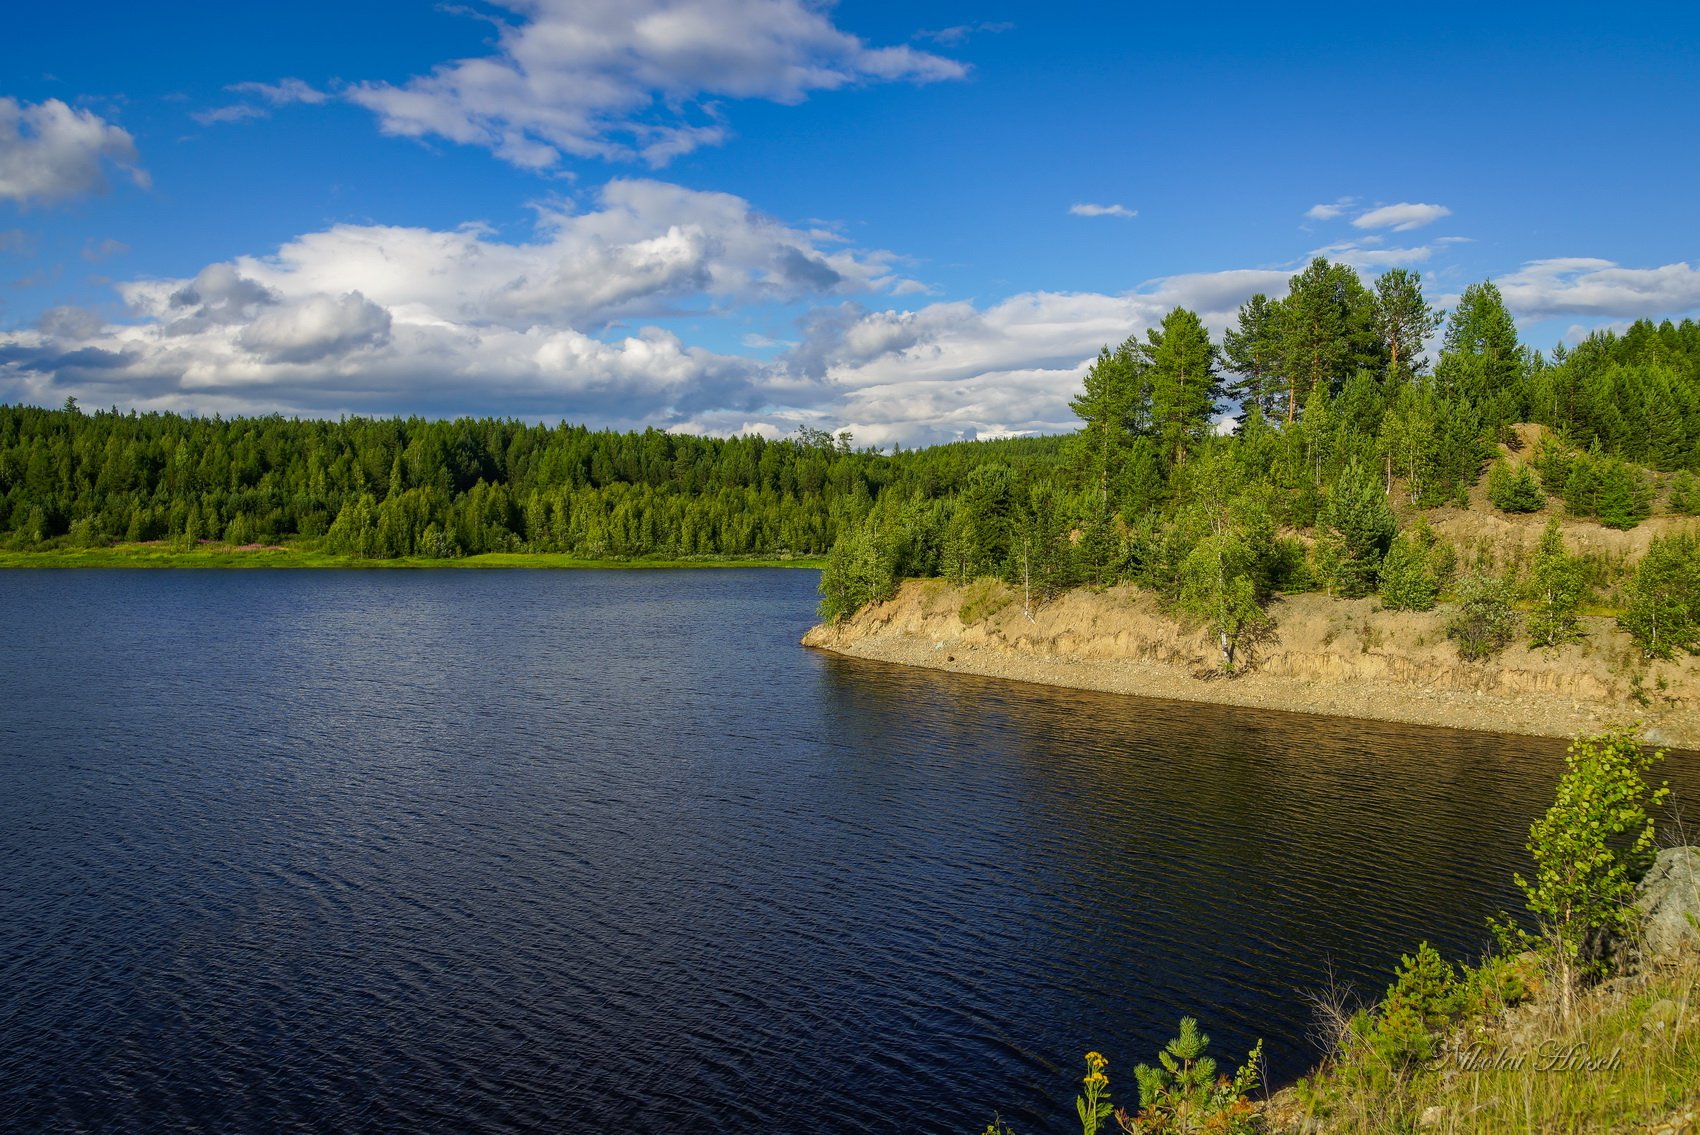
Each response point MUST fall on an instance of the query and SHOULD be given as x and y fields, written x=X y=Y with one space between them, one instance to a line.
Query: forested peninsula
x=1496 y=537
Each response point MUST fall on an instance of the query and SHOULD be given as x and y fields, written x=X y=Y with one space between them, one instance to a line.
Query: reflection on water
x=571 y=851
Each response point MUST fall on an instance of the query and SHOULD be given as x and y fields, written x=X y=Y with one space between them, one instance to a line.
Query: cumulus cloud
x=1401 y=218
x=384 y=318
x=1544 y=289
x=50 y=152
x=953 y=370
x=1084 y=210
x=626 y=79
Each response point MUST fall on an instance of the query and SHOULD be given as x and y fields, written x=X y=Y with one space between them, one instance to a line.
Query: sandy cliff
x=1342 y=657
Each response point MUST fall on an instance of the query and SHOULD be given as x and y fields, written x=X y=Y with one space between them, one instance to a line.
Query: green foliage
x=1514 y=490
x=1662 y=614
x=1484 y=622
x=1590 y=850
x=1419 y=1006
x=1607 y=488
x=1182 y=1093
x=857 y=572
x=1685 y=494
x=1357 y=527
x=1418 y=565
x=1557 y=584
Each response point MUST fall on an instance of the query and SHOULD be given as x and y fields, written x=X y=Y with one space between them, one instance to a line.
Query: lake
x=584 y=851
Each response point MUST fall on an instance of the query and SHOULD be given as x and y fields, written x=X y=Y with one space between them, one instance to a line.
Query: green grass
x=223 y=556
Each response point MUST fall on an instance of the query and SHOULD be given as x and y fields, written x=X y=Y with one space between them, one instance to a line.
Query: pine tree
x=1184 y=384
x=1357 y=529
x=1403 y=322
x=1252 y=349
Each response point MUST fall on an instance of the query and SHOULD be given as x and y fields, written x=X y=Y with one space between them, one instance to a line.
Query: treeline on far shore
x=394 y=488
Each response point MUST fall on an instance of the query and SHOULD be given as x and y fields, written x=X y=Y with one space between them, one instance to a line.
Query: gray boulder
x=1669 y=902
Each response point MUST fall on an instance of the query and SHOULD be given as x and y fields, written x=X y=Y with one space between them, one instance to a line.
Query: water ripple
x=441 y=852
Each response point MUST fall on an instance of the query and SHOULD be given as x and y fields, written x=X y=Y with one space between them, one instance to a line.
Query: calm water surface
x=596 y=851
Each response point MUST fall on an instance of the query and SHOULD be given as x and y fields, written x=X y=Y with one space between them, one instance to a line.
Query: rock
x=1669 y=902
x=1432 y=1116
x=1661 y=1014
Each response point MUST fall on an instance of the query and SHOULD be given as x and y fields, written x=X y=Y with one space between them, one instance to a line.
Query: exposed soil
x=1338 y=657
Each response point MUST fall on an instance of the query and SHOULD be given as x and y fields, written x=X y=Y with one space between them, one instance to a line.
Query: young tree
x=1357 y=527
x=1513 y=490
x=1663 y=610
x=1409 y=580
x=1590 y=850
x=1113 y=409
x=1556 y=585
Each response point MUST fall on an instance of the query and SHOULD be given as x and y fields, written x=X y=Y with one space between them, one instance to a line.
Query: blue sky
x=915 y=221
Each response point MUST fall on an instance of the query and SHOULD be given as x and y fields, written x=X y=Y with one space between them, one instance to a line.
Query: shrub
x=1418 y=563
x=1484 y=622
x=1685 y=494
x=1182 y=1093
x=1514 y=490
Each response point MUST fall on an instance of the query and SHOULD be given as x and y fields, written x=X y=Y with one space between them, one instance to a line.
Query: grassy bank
x=161 y=555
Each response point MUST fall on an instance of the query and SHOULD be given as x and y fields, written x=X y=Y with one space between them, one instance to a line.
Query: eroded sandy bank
x=1338 y=657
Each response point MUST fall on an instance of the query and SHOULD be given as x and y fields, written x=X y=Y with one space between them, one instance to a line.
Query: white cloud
x=1102 y=211
x=1367 y=255
x=1545 y=289
x=376 y=318
x=49 y=151
x=281 y=93
x=952 y=370
x=1401 y=218
x=1329 y=212
x=627 y=79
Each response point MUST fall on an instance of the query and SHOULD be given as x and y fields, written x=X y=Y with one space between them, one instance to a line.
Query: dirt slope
x=1333 y=656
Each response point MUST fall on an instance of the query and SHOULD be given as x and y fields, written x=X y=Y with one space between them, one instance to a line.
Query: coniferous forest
x=1341 y=418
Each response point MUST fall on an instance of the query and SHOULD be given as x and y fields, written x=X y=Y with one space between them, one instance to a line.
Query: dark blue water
x=597 y=851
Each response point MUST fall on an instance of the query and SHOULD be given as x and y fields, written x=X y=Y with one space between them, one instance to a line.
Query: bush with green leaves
x=1557 y=583
x=1590 y=850
x=1618 y=494
x=1514 y=490
x=1662 y=613
x=1483 y=623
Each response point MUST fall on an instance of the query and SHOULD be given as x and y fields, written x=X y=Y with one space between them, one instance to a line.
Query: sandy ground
x=1336 y=657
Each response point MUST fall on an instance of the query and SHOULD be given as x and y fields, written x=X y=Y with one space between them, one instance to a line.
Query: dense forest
x=1341 y=423
x=399 y=488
